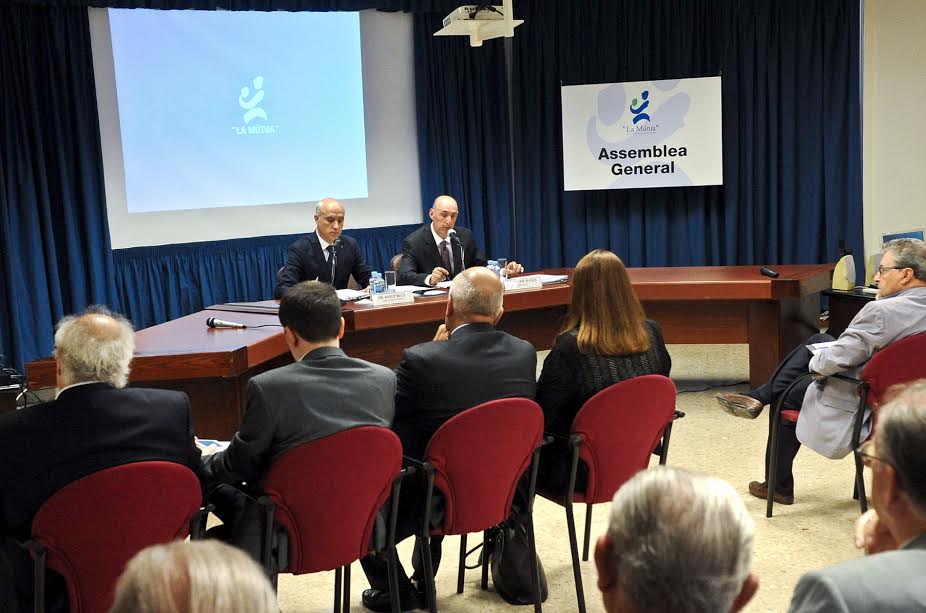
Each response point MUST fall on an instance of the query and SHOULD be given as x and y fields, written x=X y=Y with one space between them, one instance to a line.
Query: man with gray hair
x=324 y=255
x=677 y=542
x=469 y=362
x=828 y=407
x=93 y=423
x=894 y=532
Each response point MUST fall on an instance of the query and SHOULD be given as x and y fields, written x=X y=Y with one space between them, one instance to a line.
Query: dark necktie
x=445 y=257
x=332 y=260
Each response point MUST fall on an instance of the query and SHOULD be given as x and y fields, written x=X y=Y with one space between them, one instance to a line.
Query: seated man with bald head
x=439 y=251
x=677 y=542
x=94 y=423
x=469 y=362
x=325 y=255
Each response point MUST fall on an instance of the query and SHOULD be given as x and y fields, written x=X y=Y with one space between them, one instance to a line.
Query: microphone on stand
x=455 y=241
x=334 y=257
x=212 y=322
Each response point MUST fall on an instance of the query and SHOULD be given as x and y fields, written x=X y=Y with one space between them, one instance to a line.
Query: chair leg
x=773 y=461
x=535 y=563
x=860 y=484
x=588 y=531
x=430 y=579
x=574 y=550
x=462 y=564
x=487 y=544
x=346 y=608
x=666 y=437
x=337 y=589
x=392 y=562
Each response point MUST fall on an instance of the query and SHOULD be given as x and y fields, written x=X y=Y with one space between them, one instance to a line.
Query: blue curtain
x=792 y=150
x=156 y=284
x=791 y=140
x=56 y=251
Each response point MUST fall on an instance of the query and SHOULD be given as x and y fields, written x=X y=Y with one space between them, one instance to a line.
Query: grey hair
x=682 y=541
x=901 y=438
x=909 y=253
x=470 y=299
x=88 y=349
x=193 y=577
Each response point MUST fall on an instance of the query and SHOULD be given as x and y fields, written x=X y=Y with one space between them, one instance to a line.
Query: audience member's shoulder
x=519 y=343
x=151 y=395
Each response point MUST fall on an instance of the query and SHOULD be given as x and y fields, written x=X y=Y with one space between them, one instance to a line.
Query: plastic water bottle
x=493 y=266
x=377 y=284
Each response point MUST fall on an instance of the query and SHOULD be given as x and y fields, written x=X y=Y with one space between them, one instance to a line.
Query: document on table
x=549 y=279
x=350 y=295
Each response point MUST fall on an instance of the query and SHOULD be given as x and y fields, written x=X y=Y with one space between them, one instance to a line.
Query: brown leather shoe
x=739 y=405
x=760 y=490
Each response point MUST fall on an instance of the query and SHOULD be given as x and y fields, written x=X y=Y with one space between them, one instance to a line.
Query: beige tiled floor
x=814 y=532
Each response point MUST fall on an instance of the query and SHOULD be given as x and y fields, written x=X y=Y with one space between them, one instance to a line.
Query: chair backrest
x=479 y=455
x=327 y=493
x=93 y=526
x=900 y=362
x=620 y=427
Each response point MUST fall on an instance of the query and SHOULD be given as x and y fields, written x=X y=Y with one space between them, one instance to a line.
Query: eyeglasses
x=881 y=269
x=868 y=458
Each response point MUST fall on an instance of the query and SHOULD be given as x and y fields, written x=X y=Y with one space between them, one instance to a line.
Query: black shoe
x=379 y=601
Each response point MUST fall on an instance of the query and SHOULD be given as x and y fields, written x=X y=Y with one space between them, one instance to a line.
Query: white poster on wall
x=642 y=134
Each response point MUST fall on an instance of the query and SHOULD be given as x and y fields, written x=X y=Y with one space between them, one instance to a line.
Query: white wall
x=894 y=116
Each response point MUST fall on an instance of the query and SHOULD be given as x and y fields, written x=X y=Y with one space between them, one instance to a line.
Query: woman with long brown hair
x=606 y=339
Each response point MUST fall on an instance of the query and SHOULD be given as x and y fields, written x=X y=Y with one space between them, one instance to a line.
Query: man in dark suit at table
x=324 y=255
x=93 y=424
x=468 y=363
x=433 y=253
x=322 y=393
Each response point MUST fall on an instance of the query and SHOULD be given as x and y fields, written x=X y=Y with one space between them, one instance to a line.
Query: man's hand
x=437 y=275
x=442 y=333
x=872 y=535
x=514 y=268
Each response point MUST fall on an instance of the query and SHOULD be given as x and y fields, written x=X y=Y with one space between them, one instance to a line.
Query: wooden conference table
x=726 y=304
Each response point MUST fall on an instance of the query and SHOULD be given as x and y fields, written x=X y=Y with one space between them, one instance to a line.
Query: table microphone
x=768 y=272
x=212 y=322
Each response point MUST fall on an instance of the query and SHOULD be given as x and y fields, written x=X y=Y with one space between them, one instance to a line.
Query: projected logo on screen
x=252 y=110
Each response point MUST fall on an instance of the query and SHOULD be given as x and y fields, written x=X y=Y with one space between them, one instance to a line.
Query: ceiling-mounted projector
x=480 y=22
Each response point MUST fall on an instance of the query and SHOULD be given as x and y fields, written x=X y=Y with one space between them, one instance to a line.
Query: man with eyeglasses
x=828 y=407
x=893 y=533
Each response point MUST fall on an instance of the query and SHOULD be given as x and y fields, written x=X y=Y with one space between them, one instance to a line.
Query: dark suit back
x=326 y=392
x=88 y=428
x=305 y=261
x=420 y=255
x=437 y=380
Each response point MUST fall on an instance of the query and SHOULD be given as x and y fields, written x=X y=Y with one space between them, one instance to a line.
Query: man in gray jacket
x=890 y=578
x=828 y=407
x=322 y=393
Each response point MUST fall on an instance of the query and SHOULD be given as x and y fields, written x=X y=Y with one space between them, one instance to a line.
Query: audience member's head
x=476 y=296
x=898 y=462
x=903 y=266
x=310 y=313
x=677 y=542
x=329 y=219
x=193 y=577
x=443 y=215
x=605 y=311
x=96 y=345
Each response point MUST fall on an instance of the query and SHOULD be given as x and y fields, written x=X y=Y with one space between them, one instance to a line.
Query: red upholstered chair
x=89 y=529
x=476 y=460
x=324 y=496
x=900 y=362
x=614 y=433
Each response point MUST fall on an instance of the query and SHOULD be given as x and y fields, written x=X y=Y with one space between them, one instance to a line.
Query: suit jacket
x=420 y=255
x=322 y=394
x=305 y=261
x=439 y=379
x=829 y=407
x=86 y=429
x=886 y=582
